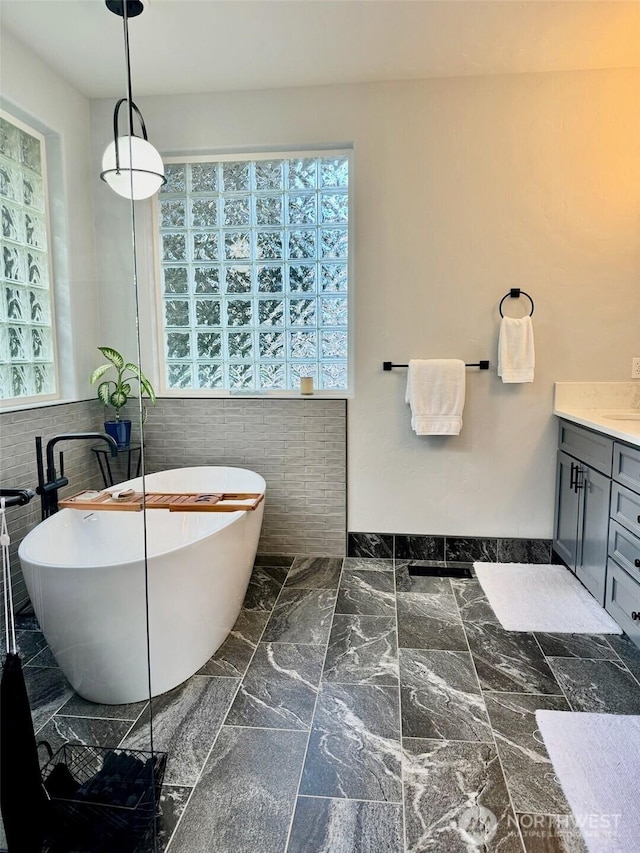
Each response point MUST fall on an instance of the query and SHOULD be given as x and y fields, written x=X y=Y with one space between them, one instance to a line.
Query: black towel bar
x=483 y=365
x=516 y=293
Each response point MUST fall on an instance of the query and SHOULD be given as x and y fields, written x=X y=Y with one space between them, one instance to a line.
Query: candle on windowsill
x=306 y=384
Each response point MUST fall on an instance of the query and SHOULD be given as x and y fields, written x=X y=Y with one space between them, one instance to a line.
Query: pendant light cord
x=125 y=19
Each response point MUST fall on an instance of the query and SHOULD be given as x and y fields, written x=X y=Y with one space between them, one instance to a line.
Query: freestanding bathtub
x=85 y=573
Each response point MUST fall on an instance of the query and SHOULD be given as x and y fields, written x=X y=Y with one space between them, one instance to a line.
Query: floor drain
x=440 y=570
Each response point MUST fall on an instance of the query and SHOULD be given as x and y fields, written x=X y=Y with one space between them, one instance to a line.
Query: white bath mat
x=542 y=598
x=595 y=757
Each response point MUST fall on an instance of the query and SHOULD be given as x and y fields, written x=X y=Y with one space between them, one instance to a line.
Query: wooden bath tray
x=174 y=502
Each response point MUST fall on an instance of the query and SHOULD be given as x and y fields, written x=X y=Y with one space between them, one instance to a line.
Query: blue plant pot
x=120 y=431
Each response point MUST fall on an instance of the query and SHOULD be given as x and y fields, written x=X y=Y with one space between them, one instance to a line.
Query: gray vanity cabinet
x=623 y=573
x=565 y=540
x=583 y=487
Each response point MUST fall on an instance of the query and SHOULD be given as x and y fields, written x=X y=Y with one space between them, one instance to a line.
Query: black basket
x=100 y=798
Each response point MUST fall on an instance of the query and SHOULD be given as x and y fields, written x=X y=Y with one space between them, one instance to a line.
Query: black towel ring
x=515 y=293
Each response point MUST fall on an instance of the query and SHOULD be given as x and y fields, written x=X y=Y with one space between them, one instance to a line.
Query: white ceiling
x=180 y=46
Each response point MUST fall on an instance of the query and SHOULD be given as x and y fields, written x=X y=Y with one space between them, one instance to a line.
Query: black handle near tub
x=16 y=497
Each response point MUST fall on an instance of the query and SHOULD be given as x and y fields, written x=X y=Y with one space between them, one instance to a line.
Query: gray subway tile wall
x=18 y=470
x=298 y=446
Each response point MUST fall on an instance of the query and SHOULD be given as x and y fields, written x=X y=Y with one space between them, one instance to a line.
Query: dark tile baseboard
x=402 y=546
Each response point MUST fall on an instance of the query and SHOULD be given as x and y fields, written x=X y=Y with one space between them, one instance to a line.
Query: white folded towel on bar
x=516 y=353
x=435 y=392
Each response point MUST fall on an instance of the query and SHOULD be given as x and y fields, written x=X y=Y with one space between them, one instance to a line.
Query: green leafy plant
x=116 y=392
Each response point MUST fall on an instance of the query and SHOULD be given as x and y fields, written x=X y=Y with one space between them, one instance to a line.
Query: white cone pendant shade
x=136 y=170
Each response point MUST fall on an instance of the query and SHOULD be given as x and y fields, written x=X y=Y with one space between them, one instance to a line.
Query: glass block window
x=26 y=323
x=254 y=272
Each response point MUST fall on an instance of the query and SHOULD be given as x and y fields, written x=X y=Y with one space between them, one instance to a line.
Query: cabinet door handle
x=635 y=616
x=575 y=483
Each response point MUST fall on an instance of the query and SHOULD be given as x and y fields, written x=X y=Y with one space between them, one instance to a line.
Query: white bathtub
x=85 y=576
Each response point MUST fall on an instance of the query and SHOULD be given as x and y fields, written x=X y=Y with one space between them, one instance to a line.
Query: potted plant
x=116 y=392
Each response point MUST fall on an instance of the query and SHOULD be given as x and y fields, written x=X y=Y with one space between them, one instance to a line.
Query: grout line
x=618 y=657
x=504 y=775
x=405 y=840
x=222 y=725
x=313 y=716
x=555 y=677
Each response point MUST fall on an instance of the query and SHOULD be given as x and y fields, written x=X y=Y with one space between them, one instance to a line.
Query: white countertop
x=592 y=405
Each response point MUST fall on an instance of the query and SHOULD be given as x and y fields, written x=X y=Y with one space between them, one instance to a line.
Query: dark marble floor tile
x=264 y=588
x=284 y=560
x=48 y=690
x=370 y=545
x=28 y=644
x=508 y=661
x=354 y=748
x=43 y=658
x=524 y=551
x=82 y=730
x=406 y=582
x=366 y=593
x=440 y=696
x=280 y=687
x=456 y=799
x=345 y=826
x=628 y=652
x=470 y=549
x=301 y=616
x=552 y=833
x=27 y=620
x=233 y=656
x=473 y=603
x=597 y=686
x=186 y=721
x=526 y=764
x=315 y=573
x=370 y=564
x=173 y=801
x=428 y=621
x=419 y=547
x=246 y=796
x=78 y=707
x=362 y=649
x=575 y=645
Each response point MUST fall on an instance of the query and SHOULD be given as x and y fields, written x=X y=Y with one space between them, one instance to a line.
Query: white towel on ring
x=516 y=352
x=435 y=392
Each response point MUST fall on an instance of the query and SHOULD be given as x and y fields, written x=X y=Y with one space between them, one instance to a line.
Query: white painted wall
x=463 y=188
x=34 y=92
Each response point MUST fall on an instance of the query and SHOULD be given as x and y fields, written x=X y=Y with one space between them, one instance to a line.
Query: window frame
x=30 y=401
x=341 y=150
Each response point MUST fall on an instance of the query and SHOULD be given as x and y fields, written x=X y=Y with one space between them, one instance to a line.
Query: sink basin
x=622 y=415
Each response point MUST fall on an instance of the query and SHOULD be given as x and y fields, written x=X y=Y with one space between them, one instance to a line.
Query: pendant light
x=131 y=166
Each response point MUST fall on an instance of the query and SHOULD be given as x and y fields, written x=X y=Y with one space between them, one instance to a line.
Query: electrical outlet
x=635 y=368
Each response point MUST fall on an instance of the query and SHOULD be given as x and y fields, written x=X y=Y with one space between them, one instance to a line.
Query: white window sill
x=253 y=395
